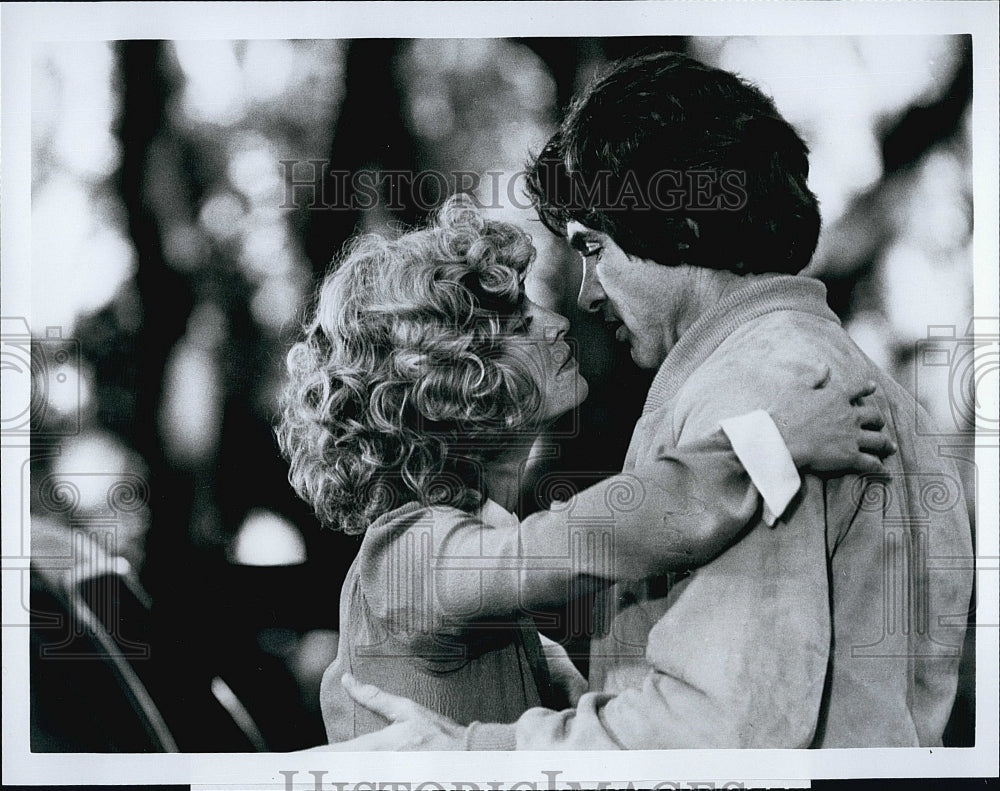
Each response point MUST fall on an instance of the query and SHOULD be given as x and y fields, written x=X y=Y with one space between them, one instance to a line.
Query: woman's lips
x=569 y=360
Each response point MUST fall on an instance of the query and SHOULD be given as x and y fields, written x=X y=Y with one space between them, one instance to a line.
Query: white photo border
x=23 y=24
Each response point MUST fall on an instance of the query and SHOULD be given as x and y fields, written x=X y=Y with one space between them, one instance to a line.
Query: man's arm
x=739 y=663
x=678 y=509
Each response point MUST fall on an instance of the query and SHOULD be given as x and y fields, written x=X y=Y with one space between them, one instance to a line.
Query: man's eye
x=590 y=249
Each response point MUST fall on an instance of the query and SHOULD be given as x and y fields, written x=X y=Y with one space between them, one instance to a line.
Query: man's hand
x=831 y=426
x=566 y=679
x=414 y=727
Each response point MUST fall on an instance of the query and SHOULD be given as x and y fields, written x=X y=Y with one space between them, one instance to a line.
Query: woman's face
x=547 y=355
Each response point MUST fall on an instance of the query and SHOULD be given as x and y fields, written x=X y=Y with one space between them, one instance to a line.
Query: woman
x=424 y=376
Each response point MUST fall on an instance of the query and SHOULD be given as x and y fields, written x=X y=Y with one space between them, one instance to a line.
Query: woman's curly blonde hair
x=400 y=385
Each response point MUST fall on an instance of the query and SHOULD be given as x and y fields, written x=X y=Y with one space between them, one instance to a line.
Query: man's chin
x=643 y=359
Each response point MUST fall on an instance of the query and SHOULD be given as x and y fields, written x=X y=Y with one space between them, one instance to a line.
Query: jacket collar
x=756 y=299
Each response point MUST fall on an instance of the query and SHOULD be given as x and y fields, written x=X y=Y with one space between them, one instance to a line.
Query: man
x=685 y=193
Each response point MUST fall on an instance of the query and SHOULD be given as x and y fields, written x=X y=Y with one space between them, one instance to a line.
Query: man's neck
x=710 y=286
x=744 y=301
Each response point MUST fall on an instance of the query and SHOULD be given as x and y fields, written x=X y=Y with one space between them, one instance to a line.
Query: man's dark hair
x=681 y=163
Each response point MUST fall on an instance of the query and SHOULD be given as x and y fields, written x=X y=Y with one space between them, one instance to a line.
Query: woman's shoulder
x=414 y=529
x=414 y=516
x=394 y=569
x=412 y=534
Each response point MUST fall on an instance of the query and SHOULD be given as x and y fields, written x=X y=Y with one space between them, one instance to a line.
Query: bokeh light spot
x=267 y=539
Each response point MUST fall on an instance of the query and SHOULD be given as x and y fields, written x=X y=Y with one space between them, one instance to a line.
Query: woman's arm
x=436 y=570
x=675 y=511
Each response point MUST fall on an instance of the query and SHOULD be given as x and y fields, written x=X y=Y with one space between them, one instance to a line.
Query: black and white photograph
x=500 y=395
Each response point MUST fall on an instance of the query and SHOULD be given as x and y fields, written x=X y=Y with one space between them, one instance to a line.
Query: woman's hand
x=831 y=426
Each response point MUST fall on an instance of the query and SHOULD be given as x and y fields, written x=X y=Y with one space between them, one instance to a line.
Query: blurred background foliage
x=176 y=237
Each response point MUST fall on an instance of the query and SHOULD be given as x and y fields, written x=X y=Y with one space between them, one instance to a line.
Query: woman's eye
x=590 y=249
x=520 y=325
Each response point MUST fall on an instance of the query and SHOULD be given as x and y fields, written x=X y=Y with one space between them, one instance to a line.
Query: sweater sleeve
x=678 y=509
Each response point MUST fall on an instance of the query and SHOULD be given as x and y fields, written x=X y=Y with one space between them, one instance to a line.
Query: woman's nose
x=592 y=295
x=556 y=324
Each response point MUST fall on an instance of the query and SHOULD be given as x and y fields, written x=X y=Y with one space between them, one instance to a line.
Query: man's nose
x=592 y=295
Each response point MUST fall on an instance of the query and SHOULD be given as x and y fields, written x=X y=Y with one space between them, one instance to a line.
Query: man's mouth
x=617 y=326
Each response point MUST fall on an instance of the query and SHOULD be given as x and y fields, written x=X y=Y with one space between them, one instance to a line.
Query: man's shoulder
x=771 y=342
x=757 y=360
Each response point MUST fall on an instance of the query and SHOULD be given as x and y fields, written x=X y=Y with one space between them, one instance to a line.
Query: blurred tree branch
x=370 y=133
x=165 y=299
x=849 y=247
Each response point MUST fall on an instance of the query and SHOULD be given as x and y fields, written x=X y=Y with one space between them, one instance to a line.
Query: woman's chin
x=568 y=400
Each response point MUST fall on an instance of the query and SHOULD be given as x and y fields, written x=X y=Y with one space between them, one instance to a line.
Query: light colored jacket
x=841 y=626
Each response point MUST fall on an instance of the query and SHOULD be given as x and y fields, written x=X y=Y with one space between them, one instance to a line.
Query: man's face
x=640 y=298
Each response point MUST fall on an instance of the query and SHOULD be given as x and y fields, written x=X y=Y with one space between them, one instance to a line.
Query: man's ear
x=689 y=232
